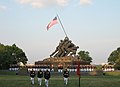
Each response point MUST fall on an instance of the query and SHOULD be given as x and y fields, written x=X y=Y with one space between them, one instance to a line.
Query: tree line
x=11 y=55
x=114 y=58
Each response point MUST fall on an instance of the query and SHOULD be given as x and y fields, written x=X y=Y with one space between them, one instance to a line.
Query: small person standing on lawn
x=40 y=75
x=65 y=75
x=32 y=75
x=47 y=77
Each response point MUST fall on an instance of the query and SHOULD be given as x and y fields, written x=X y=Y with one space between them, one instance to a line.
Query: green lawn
x=57 y=81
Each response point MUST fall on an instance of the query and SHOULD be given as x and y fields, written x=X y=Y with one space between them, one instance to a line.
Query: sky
x=93 y=25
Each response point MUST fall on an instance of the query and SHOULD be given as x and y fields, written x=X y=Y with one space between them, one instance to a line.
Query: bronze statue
x=65 y=48
x=58 y=48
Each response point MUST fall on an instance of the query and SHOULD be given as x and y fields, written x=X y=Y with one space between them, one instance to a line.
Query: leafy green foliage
x=114 y=58
x=11 y=55
x=84 y=55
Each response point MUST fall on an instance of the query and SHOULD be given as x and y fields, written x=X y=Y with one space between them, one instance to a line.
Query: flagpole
x=79 y=70
x=79 y=81
x=62 y=26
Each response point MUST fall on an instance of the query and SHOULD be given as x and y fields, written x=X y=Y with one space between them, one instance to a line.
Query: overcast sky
x=93 y=25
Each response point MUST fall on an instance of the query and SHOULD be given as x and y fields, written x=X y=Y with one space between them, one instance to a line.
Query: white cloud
x=43 y=3
x=47 y=3
x=85 y=2
x=2 y=7
x=24 y=1
x=37 y=5
x=62 y=2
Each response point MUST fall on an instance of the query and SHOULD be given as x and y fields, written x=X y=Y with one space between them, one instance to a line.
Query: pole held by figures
x=62 y=25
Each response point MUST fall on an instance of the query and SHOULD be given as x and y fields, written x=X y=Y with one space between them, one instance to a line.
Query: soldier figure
x=58 y=48
x=32 y=75
x=60 y=51
x=47 y=77
x=65 y=48
x=66 y=75
x=40 y=75
x=72 y=50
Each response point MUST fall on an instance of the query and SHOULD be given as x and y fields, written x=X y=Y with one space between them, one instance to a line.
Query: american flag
x=53 y=22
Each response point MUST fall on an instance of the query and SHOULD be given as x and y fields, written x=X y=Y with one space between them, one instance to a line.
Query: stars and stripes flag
x=53 y=22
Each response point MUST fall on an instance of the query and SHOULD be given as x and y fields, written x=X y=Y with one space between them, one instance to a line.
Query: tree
x=11 y=55
x=114 y=58
x=84 y=55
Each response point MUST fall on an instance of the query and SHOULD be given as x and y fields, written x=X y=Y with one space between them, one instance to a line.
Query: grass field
x=57 y=81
